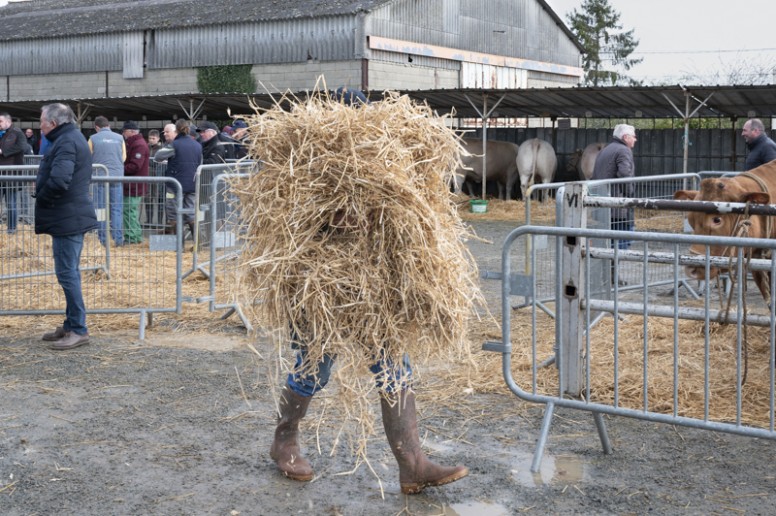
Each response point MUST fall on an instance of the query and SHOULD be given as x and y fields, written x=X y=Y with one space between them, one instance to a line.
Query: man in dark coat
x=761 y=148
x=135 y=165
x=64 y=210
x=183 y=155
x=32 y=140
x=240 y=136
x=12 y=146
x=213 y=153
x=615 y=161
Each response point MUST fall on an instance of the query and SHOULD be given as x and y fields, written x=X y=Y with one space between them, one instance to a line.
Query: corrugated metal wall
x=62 y=55
x=324 y=39
x=515 y=28
x=133 y=55
x=476 y=75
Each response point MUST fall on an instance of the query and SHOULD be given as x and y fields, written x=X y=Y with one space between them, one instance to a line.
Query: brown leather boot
x=416 y=471
x=285 y=449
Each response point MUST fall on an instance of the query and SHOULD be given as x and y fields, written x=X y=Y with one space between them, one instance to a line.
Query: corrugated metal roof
x=611 y=102
x=47 y=18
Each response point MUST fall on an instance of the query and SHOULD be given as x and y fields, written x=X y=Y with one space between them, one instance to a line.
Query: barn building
x=81 y=50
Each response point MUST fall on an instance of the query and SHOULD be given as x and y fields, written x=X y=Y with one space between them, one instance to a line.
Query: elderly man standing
x=64 y=210
x=136 y=165
x=615 y=161
x=761 y=148
x=183 y=155
x=12 y=146
x=108 y=149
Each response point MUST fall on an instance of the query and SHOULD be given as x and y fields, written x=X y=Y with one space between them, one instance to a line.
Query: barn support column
x=484 y=115
x=81 y=110
x=686 y=115
x=191 y=113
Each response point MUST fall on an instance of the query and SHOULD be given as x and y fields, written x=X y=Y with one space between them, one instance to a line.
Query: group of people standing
x=129 y=155
x=64 y=206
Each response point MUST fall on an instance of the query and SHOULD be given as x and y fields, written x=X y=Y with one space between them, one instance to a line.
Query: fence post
x=572 y=329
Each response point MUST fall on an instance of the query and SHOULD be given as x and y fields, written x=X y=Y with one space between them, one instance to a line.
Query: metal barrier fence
x=218 y=230
x=657 y=358
x=630 y=277
x=32 y=159
x=226 y=241
x=141 y=276
x=139 y=265
x=212 y=210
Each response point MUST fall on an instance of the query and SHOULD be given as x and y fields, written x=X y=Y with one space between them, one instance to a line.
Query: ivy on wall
x=226 y=79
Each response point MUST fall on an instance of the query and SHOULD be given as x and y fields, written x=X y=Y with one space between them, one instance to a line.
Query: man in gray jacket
x=613 y=162
x=108 y=148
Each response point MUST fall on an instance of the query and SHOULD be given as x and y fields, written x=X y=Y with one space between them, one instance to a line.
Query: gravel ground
x=181 y=424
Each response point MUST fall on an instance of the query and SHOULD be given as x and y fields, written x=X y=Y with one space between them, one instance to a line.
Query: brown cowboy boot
x=285 y=449
x=416 y=471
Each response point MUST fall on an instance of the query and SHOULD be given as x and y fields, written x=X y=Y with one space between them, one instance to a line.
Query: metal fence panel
x=630 y=276
x=677 y=371
x=142 y=277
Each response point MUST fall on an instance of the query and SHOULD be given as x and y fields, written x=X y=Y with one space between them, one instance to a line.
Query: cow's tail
x=536 y=144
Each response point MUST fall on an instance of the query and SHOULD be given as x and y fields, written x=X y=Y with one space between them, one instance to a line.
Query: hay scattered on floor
x=660 y=366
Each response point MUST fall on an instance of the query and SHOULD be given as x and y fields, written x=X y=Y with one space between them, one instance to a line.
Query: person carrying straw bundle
x=354 y=243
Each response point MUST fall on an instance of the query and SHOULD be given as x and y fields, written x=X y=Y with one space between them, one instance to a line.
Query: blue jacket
x=182 y=165
x=761 y=151
x=62 y=202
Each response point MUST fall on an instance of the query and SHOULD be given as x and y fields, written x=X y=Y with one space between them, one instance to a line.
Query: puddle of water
x=563 y=469
x=476 y=509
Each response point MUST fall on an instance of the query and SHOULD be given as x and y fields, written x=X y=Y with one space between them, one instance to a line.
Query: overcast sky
x=698 y=37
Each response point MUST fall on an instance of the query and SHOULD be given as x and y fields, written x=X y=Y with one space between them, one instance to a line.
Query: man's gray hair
x=621 y=130
x=59 y=113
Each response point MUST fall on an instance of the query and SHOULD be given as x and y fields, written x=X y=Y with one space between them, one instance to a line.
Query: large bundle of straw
x=353 y=239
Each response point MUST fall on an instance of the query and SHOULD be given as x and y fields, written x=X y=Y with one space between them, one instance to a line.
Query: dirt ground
x=181 y=423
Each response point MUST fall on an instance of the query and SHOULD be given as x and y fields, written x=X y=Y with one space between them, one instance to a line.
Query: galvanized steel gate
x=586 y=293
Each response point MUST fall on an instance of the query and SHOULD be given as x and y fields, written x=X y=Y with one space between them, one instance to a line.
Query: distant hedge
x=226 y=79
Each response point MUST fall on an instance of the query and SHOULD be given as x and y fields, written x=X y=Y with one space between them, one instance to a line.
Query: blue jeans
x=622 y=225
x=67 y=257
x=305 y=384
x=116 y=192
x=10 y=203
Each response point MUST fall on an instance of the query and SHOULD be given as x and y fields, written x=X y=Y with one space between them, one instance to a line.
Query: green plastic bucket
x=478 y=205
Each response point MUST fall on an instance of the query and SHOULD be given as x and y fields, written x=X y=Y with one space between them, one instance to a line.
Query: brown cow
x=754 y=187
x=501 y=164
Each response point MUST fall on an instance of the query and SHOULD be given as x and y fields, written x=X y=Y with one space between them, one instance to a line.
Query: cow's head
x=715 y=224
